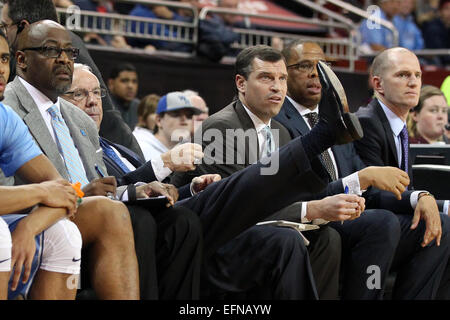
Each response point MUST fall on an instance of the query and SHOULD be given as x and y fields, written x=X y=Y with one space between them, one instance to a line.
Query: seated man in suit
x=396 y=77
x=86 y=82
x=297 y=115
x=261 y=83
x=15 y=12
x=48 y=262
x=66 y=139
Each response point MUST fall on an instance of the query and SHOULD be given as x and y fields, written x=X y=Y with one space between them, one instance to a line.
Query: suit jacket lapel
x=38 y=128
x=82 y=142
x=387 y=128
x=247 y=124
x=295 y=119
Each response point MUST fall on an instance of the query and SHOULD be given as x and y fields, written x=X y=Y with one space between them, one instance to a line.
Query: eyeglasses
x=306 y=66
x=81 y=94
x=55 y=52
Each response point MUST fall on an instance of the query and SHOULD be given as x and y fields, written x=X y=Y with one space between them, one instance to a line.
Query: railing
x=339 y=48
x=132 y=26
x=366 y=15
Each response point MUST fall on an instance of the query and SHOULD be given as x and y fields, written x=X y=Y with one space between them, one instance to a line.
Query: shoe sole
x=350 y=122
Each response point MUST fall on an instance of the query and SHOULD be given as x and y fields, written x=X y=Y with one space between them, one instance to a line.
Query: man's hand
x=200 y=183
x=339 y=207
x=384 y=178
x=427 y=210
x=183 y=157
x=155 y=188
x=101 y=187
x=59 y=194
x=23 y=249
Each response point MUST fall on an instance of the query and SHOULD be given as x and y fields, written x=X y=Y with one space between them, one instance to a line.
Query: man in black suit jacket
x=25 y=12
x=261 y=82
x=396 y=79
x=376 y=231
x=209 y=203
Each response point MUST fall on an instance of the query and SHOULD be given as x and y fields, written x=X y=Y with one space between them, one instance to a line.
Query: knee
x=386 y=226
x=61 y=250
x=114 y=217
x=329 y=242
x=185 y=221
x=289 y=241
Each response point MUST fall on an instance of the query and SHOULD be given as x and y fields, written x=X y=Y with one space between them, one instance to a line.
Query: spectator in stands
x=376 y=37
x=437 y=32
x=174 y=114
x=16 y=13
x=409 y=34
x=426 y=10
x=147 y=113
x=63 y=3
x=123 y=85
x=427 y=120
x=103 y=6
x=200 y=104
x=161 y=12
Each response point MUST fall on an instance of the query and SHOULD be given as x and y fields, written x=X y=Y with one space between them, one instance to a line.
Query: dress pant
x=325 y=257
x=270 y=261
x=370 y=240
x=178 y=253
x=168 y=250
x=420 y=270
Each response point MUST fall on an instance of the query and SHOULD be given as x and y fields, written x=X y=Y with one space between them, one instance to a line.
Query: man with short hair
x=261 y=83
x=376 y=231
x=44 y=67
x=396 y=77
x=49 y=262
x=123 y=85
x=15 y=12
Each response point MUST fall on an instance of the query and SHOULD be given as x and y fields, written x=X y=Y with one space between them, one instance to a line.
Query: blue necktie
x=67 y=148
x=113 y=156
x=269 y=145
x=404 y=139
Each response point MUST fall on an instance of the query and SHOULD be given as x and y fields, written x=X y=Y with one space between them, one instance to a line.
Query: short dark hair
x=121 y=67
x=243 y=65
x=31 y=11
x=287 y=50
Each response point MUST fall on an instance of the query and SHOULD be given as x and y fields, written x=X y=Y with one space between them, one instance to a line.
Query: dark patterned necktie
x=113 y=156
x=313 y=118
x=404 y=139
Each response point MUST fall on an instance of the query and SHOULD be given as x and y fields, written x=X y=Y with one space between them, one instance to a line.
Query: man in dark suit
x=396 y=79
x=261 y=83
x=15 y=12
x=376 y=231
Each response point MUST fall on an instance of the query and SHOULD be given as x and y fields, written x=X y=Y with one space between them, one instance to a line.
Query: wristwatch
x=424 y=193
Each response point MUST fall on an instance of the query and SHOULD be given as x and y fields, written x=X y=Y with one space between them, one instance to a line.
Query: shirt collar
x=302 y=109
x=395 y=122
x=41 y=100
x=257 y=122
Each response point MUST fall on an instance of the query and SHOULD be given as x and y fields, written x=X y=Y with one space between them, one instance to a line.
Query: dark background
x=214 y=81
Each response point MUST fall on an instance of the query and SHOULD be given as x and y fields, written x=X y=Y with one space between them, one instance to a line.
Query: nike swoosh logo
x=5 y=260
x=75 y=260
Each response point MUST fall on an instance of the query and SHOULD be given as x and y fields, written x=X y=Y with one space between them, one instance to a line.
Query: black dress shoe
x=334 y=109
